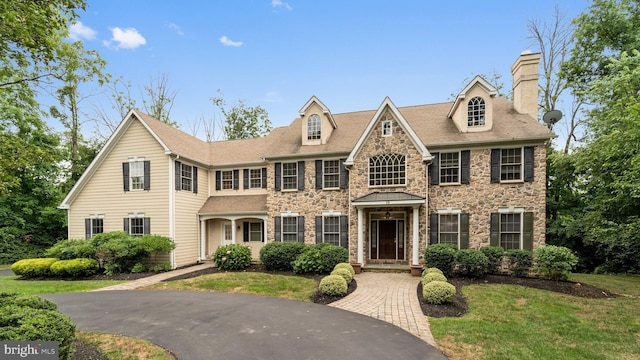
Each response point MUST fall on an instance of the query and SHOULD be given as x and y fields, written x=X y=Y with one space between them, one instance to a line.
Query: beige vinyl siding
x=186 y=220
x=104 y=193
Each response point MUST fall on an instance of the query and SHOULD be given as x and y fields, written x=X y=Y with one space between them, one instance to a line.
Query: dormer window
x=475 y=112
x=314 y=127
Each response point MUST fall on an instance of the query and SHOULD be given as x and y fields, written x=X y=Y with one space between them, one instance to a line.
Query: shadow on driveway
x=206 y=325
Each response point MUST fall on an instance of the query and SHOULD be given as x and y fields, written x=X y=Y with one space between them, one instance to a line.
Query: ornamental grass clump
x=345 y=273
x=232 y=257
x=438 y=292
x=554 y=262
x=333 y=285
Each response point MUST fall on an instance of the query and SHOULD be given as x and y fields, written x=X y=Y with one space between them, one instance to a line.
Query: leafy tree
x=243 y=121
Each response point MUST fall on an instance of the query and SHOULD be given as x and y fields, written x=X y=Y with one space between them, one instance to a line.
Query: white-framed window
x=475 y=111
x=331 y=229
x=97 y=226
x=331 y=174
x=290 y=176
x=387 y=170
x=386 y=128
x=449 y=168
x=227 y=179
x=511 y=228
x=314 y=127
x=255 y=231
x=449 y=229
x=186 y=177
x=255 y=178
x=227 y=235
x=511 y=164
x=137 y=224
x=136 y=174
x=290 y=228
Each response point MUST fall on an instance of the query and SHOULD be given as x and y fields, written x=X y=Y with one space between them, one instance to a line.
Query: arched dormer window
x=475 y=112
x=314 y=127
x=387 y=170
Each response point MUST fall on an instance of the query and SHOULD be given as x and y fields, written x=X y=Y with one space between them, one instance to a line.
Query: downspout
x=172 y=207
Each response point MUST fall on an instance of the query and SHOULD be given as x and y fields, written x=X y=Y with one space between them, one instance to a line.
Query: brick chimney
x=525 y=83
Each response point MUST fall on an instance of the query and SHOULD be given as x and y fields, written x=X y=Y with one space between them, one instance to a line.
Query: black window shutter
x=344 y=231
x=277 y=236
x=236 y=179
x=277 y=169
x=433 y=230
x=435 y=169
x=527 y=228
x=464 y=231
x=194 y=188
x=494 y=238
x=218 y=180
x=245 y=231
x=262 y=231
x=264 y=177
x=318 y=229
x=300 y=175
x=245 y=179
x=528 y=163
x=344 y=175
x=495 y=165
x=146 y=222
x=465 y=161
x=301 y=229
x=125 y=226
x=87 y=228
x=125 y=176
x=147 y=175
x=318 y=174
x=178 y=175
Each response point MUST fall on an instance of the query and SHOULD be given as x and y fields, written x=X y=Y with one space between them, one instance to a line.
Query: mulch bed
x=458 y=305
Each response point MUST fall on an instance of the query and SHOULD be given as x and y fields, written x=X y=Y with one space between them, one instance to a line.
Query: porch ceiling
x=389 y=198
x=234 y=204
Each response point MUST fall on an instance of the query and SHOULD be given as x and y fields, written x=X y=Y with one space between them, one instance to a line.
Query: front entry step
x=387 y=268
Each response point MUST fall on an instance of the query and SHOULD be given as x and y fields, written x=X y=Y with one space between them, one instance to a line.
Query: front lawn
x=12 y=284
x=256 y=283
x=515 y=322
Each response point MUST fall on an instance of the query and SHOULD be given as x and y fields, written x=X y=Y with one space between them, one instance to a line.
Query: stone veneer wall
x=480 y=197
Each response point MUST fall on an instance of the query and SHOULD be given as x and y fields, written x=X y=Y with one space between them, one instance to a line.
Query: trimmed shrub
x=554 y=262
x=310 y=261
x=332 y=255
x=433 y=276
x=120 y=253
x=333 y=285
x=441 y=256
x=280 y=255
x=438 y=292
x=74 y=268
x=345 y=273
x=30 y=268
x=347 y=266
x=161 y=267
x=494 y=255
x=519 y=262
x=471 y=263
x=432 y=270
x=232 y=257
x=72 y=249
x=29 y=318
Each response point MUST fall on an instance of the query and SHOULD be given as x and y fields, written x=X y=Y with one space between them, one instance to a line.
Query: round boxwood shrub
x=494 y=256
x=333 y=285
x=232 y=257
x=280 y=255
x=432 y=270
x=310 y=261
x=347 y=266
x=30 y=268
x=332 y=255
x=433 y=276
x=74 y=268
x=471 y=263
x=345 y=273
x=554 y=262
x=441 y=256
x=438 y=292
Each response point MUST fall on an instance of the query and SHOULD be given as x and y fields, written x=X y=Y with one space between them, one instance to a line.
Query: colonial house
x=384 y=183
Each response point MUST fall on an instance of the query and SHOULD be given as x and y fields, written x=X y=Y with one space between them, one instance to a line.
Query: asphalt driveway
x=205 y=325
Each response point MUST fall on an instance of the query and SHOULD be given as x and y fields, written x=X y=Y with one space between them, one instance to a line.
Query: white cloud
x=175 y=28
x=228 y=42
x=79 y=31
x=125 y=38
x=279 y=3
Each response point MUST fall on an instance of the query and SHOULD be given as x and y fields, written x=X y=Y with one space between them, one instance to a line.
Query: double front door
x=387 y=239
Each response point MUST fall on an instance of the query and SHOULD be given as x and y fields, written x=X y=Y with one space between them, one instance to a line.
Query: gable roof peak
x=478 y=80
x=325 y=109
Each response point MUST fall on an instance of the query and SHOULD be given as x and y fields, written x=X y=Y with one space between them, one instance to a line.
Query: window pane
x=331 y=174
x=186 y=177
x=97 y=226
x=449 y=229
x=136 y=226
x=290 y=176
x=449 y=167
x=331 y=230
x=290 y=228
x=255 y=178
x=227 y=180
x=475 y=112
x=136 y=172
x=511 y=164
x=313 y=127
x=510 y=231
x=255 y=232
x=387 y=169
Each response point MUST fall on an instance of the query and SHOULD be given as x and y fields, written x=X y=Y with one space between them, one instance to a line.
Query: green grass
x=514 y=322
x=288 y=287
x=11 y=284
x=118 y=347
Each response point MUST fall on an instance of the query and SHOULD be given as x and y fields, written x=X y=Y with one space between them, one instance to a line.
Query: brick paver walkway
x=389 y=297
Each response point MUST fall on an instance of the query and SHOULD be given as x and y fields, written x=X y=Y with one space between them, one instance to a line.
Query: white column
x=360 y=237
x=203 y=239
x=416 y=237
x=233 y=231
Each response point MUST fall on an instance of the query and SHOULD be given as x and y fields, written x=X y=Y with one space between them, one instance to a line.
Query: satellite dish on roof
x=552 y=117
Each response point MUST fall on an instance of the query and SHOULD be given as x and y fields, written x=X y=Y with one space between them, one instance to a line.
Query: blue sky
x=277 y=53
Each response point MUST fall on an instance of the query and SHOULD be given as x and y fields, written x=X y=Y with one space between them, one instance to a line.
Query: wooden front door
x=387 y=239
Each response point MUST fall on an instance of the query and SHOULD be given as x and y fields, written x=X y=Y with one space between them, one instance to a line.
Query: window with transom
x=475 y=111
x=314 y=125
x=387 y=170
